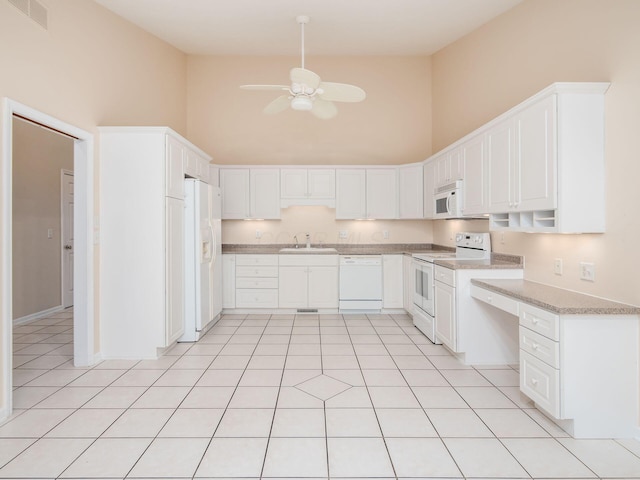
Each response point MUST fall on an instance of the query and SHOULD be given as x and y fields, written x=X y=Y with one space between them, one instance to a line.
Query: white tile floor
x=282 y=396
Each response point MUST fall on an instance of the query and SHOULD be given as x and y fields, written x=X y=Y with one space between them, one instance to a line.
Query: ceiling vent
x=34 y=10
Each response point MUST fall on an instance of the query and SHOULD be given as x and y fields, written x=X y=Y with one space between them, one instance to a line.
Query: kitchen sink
x=309 y=250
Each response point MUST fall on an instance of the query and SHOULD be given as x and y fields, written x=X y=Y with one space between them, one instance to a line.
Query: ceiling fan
x=307 y=92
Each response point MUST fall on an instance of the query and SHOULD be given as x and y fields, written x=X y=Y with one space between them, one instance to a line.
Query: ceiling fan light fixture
x=302 y=103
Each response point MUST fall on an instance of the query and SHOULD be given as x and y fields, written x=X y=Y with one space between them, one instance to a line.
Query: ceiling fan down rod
x=302 y=20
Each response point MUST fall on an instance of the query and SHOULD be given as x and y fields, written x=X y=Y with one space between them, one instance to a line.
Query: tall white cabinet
x=142 y=244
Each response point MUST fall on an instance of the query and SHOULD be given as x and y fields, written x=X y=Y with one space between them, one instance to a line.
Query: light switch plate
x=588 y=271
x=557 y=266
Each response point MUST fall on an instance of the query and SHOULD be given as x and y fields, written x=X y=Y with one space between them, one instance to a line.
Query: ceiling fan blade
x=324 y=109
x=264 y=87
x=280 y=104
x=341 y=92
x=304 y=76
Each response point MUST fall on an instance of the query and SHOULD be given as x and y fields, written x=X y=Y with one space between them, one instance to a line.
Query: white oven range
x=468 y=246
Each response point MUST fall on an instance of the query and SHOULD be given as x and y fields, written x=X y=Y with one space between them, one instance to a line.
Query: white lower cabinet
x=256 y=281
x=308 y=281
x=228 y=280
x=445 y=308
x=392 y=281
x=581 y=369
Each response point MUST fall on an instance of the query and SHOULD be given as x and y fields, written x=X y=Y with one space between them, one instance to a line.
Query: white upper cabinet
x=382 y=193
x=449 y=167
x=536 y=156
x=351 y=188
x=234 y=185
x=265 y=193
x=312 y=186
x=475 y=183
x=250 y=193
x=410 y=189
x=522 y=160
x=546 y=162
x=429 y=180
x=366 y=193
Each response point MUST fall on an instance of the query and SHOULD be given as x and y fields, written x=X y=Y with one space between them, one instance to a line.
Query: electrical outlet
x=557 y=266
x=588 y=271
x=258 y=234
x=385 y=234
x=343 y=235
x=50 y=233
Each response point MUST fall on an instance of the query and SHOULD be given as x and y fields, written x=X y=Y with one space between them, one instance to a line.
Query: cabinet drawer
x=495 y=299
x=540 y=347
x=297 y=259
x=445 y=275
x=258 y=271
x=256 y=298
x=258 y=282
x=257 y=260
x=541 y=383
x=540 y=321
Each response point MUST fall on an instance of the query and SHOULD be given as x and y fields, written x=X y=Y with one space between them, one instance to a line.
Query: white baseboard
x=34 y=316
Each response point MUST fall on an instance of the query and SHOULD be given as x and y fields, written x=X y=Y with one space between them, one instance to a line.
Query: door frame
x=63 y=172
x=84 y=264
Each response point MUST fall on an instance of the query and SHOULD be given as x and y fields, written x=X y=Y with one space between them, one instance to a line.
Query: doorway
x=83 y=235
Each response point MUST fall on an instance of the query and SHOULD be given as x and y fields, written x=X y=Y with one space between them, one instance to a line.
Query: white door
x=392 y=292
x=67 y=239
x=475 y=183
x=351 y=193
x=265 y=193
x=205 y=256
x=445 y=300
x=174 y=274
x=293 y=292
x=411 y=186
x=234 y=183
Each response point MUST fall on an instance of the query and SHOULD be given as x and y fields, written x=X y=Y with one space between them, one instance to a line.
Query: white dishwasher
x=360 y=282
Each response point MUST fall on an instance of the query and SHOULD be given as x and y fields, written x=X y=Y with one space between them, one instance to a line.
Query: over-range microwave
x=448 y=200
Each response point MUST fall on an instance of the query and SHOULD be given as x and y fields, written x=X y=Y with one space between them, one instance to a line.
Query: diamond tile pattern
x=323 y=387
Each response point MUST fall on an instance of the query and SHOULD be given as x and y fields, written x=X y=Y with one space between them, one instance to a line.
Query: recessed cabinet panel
x=323 y=287
x=321 y=183
x=234 y=184
x=265 y=193
x=429 y=188
x=382 y=193
x=392 y=281
x=445 y=302
x=475 y=183
x=293 y=183
x=351 y=193
x=535 y=130
x=502 y=167
x=411 y=186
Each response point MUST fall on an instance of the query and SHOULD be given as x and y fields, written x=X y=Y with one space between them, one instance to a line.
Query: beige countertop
x=556 y=300
x=342 y=249
x=495 y=262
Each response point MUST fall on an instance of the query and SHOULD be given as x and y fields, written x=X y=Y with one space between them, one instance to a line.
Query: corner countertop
x=496 y=261
x=556 y=300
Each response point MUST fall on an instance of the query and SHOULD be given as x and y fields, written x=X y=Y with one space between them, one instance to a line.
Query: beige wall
x=392 y=125
x=90 y=68
x=38 y=157
x=520 y=53
x=321 y=224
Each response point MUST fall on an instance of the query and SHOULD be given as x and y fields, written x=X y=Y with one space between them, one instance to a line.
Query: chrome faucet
x=295 y=237
x=308 y=240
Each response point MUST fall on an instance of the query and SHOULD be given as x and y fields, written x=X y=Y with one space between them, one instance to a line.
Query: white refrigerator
x=203 y=260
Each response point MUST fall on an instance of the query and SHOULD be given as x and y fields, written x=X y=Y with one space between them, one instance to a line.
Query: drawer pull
x=534 y=381
x=535 y=320
x=535 y=346
x=489 y=299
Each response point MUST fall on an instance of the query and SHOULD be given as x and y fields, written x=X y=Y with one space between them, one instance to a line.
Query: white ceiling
x=337 y=27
